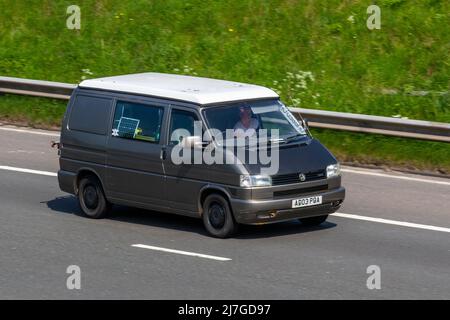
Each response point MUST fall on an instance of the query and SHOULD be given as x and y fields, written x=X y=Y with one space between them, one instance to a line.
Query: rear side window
x=137 y=121
x=90 y=114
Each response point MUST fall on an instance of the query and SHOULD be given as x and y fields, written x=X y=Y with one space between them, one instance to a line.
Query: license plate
x=306 y=202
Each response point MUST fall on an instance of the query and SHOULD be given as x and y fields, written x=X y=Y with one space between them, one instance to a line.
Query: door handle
x=163 y=154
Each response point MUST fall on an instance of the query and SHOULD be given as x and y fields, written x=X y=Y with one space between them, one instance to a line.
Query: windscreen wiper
x=289 y=138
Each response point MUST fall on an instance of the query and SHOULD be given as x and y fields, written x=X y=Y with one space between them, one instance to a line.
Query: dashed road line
x=186 y=253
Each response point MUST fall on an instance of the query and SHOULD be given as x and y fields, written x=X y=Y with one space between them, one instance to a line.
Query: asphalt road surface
x=398 y=222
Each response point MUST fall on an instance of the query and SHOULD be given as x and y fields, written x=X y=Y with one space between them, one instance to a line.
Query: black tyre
x=313 y=221
x=217 y=217
x=92 y=198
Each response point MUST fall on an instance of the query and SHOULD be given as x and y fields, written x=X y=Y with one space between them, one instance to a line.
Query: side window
x=90 y=114
x=137 y=121
x=181 y=125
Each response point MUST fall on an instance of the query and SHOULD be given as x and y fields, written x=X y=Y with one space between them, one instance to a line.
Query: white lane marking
x=186 y=253
x=43 y=173
x=393 y=222
x=337 y=214
x=395 y=177
x=42 y=133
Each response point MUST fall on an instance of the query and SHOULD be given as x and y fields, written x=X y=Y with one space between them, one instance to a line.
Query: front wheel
x=313 y=221
x=217 y=217
x=92 y=199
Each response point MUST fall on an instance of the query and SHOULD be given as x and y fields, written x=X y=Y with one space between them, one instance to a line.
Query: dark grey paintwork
x=141 y=174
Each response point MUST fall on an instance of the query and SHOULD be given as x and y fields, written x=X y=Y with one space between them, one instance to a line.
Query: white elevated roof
x=186 y=88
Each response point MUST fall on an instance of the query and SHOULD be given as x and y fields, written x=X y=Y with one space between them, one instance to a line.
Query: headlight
x=333 y=170
x=255 y=181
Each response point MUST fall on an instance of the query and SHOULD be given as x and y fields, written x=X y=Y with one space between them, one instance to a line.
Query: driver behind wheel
x=247 y=125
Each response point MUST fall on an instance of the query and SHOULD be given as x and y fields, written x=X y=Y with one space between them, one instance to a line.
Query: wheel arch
x=210 y=189
x=83 y=172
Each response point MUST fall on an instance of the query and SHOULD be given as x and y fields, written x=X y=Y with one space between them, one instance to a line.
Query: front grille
x=289 y=178
x=299 y=192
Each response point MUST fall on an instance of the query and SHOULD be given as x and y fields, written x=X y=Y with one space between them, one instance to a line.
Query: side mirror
x=192 y=142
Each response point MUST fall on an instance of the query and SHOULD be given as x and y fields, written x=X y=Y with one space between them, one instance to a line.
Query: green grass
x=354 y=69
x=32 y=111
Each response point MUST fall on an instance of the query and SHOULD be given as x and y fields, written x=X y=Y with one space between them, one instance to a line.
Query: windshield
x=247 y=118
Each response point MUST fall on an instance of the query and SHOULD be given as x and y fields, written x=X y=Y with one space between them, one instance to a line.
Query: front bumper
x=276 y=210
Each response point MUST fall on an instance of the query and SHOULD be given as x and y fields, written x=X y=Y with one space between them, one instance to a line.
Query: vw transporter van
x=183 y=145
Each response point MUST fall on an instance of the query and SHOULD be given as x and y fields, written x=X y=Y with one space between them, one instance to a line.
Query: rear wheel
x=217 y=217
x=92 y=198
x=313 y=221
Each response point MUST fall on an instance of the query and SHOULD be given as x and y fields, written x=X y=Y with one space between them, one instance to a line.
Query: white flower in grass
x=296 y=102
x=87 y=71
